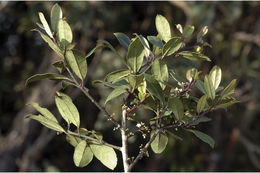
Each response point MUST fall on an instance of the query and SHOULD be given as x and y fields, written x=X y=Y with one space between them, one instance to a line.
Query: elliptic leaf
x=116 y=75
x=82 y=154
x=176 y=106
x=230 y=89
x=160 y=72
x=155 y=41
x=94 y=50
x=200 y=85
x=215 y=76
x=105 y=154
x=64 y=33
x=202 y=103
x=51 y=76
x=116 y=92
x=201 y=120
x=123 y=39
x=163 y=27
x=210 y=90
x=194 y=56
x=74 y=141
x=45 y=25
x=171 y=46
x=188 y=30
x=204 y=137
x=56 y=15
x=225 y=102
x=159 y=143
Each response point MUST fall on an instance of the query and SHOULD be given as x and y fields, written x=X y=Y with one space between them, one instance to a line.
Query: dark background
x=234 y=32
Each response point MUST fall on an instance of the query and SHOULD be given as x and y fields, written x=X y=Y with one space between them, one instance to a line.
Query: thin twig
x=135 y=107
x=124 y=141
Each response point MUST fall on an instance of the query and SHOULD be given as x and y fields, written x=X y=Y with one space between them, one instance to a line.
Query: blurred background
x=234 y=33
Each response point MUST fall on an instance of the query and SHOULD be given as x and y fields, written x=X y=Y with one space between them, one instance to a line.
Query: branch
x=93 y=139
x=124 y=141
x=135 y=107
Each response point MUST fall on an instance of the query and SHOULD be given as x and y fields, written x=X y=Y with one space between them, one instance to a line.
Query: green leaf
x=160 y=72
x=145 y=43
x=176 y=106
x=45 y=25
x=67 y=109
x=227 y=101
x=154 y=87
x=202 y=103
x=74 y=141
x=159 y=143
x=200 y=85
x=188 y=30
x=135 y=55
x=59 y=66
x=51 y=76
x=50 y=43
x=208 y=85
x=77 y=62
x=177 y=77
x=94 y=50
x=45 y=112
x=155 y=41
x=201 y=120
x=82 y=154
x=110 y=85
x=123 y=39
x=230 y=89
x=116 y=92
x=64 y=33
x=215 y=76
x=105 y=154
x=46 y=122
x=204 y=137
x=163 y=27
x=171 y=46
x=194 y=56
x=56 y=15
x=116 y=75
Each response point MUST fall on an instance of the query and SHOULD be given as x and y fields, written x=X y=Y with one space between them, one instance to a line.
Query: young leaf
x=163 y=27
x=116 y=92
x=215 y=76
x=94 y=50
x=230 y=89
x=155 y=41
x=135 y=55
x=171 y=46
x=154 y=87
x=116 y=75
x=82 y=154
x=46 y=122
x=225 y=102
x=194 y=56
x=105 y=154
x=210 y=90
x=59 y=66
x=51 y=76
x=50 y=43
x=188 y=30
x=123 y=39
x=45 y=25
x=56 y=15
x=159 y=143
x=45 y=112
x=77 y=62
x=200 y=85
x=64 y=33
x=67 y=109
x=160 y=72
x=176 y=106
x=202 y=103
x=204 y=137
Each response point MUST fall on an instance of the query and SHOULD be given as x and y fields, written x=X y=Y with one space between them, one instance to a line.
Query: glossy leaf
x=171 y=46
x=155 y=41
x=160 y=72
x=105 y=154
x=51 y=76
x=160 y=142
x=94 y=50
x=194 y=56
x=208 y=85
x=77 y=62
x=202 y=103
x=163 y=27
x=230 y=89
x=154 y=87
x=45 y=112
x=135 y=55
x=176 y=106
x=204 y=137
x=215 y=76
x=45 y=25
x=50 y=43
x=123 y=39
x=116 y=92
x=67 y=109
x=187 y=31
x=59 y=66
x=82 y=154
x=46 y=122
x=56 y=15
x=200 y=85
x=64 y=33
x=116 y=75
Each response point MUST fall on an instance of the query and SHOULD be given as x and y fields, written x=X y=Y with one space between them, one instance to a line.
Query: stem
x=135 y=107
x=124 y=141
x=93 y=139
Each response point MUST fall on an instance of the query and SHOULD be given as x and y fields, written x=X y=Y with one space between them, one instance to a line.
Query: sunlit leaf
x=176 y=106
x=171 y=46
x=230 y=89
x=116 y=92
x=187 y=31
x=163 y=27
x=202 y=103
x=51 y=76
x=215 y=76
x=160 y=142
x=155 y=41
x=160 y=72
x=204 y=137
x=94 y=50
x=56 y=15
x=194 y=56
x=45 y=25
x=123 y=39
x=64 y=33
x=82 y=154
x=226 y=102
x=208 y=85
x=116 y=75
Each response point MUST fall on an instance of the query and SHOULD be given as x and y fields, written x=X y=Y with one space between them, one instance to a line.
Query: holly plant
x=146 y=82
